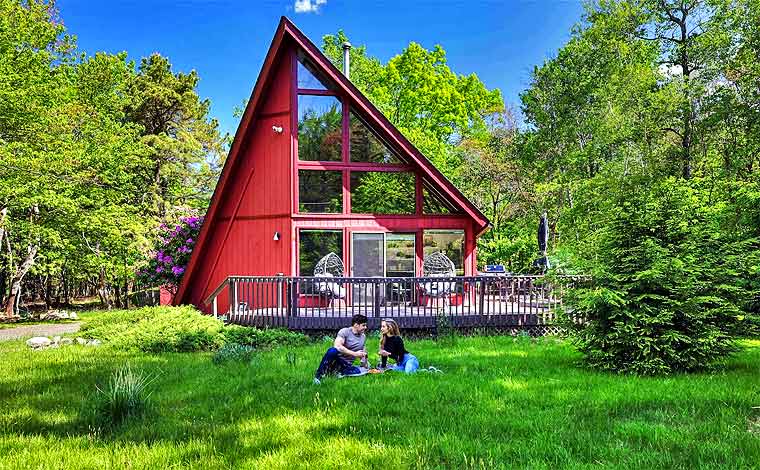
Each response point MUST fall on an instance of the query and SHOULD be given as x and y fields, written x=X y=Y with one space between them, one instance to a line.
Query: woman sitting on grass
x=391 y=345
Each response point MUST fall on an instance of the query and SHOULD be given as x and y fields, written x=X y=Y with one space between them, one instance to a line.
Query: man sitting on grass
x=348 y=346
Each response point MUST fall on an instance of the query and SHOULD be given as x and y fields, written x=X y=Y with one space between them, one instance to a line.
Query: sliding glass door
x=380 y=255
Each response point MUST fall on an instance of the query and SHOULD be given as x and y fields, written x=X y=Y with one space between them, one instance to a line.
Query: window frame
x=345 y=165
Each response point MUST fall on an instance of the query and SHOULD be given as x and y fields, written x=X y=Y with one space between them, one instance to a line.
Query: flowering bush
x=172 y=254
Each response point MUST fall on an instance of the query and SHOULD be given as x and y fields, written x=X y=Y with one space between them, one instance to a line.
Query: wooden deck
x=457 y=316
x=311 y=303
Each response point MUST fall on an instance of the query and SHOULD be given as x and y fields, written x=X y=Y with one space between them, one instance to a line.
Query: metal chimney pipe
x=346 y=58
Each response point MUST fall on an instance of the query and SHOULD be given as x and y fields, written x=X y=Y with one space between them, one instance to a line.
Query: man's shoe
x=317 y=381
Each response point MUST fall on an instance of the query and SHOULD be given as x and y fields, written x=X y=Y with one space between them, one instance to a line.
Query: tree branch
x=673 y=131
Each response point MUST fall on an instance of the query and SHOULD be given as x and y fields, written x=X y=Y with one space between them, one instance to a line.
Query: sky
x=226 y=41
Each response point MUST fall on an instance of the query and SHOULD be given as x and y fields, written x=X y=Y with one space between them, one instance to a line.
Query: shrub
x=663 y=297
x=157 y=329
x=125 y=396
x=172 y=252
x=262 y=338
x=233 y=352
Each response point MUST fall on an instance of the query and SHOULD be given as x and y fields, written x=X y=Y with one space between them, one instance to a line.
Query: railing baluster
x=257 y=304
x=465 y=301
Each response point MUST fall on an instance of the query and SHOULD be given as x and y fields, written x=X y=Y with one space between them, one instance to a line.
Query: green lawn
x=501 y=403
x=7 y=326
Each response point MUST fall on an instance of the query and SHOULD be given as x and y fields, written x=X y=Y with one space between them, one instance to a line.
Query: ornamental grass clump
x=125 y=396
x=234 y=352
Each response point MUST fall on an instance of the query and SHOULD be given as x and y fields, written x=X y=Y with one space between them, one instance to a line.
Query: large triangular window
x=308 y=76
x=365 y=146
x=433 y=202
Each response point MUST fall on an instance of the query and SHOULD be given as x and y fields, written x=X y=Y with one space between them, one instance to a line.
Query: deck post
x=216 y=309
x=234 y=298
x=280 y=279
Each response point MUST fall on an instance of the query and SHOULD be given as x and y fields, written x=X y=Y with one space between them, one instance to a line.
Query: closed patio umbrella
x=543 y=240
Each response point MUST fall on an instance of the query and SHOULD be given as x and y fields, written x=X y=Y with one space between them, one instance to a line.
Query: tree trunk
x=48 y=291
x=103 y=291
x=10 y=307
x=66 y=291
x=3 y=271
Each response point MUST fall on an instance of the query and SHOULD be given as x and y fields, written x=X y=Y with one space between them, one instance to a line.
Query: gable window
x=308 y=77
x=320 y=191
x=365 y=146
x=380 y=192
x=435 y=203
x=340 y=155
x=320 y=133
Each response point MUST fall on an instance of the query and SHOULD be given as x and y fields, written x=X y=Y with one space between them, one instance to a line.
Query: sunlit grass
x=6 y=326
x=500 y=403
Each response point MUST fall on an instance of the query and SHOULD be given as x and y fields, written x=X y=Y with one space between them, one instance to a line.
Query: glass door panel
x=400 y=255
x=367 y=260
x=400 y=261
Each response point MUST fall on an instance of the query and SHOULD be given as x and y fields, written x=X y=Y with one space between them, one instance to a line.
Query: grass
x=7 y=326
x=501 y=403
x=83 y=315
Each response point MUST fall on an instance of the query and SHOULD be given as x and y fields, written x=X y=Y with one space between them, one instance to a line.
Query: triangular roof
x=286 y=30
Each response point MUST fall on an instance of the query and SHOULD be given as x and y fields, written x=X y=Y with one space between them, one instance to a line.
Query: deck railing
x=326 y=302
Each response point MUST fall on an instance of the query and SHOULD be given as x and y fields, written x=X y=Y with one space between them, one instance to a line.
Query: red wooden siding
x=256 y=202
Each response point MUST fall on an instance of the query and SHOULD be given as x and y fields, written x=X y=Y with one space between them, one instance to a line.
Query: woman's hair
x=393 y=330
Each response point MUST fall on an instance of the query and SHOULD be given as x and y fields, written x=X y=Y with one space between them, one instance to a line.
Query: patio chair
x=330 y=266
x=330 y=263
x=437 y=265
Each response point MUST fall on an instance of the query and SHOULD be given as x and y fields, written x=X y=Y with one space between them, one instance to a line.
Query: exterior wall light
x=276 y=236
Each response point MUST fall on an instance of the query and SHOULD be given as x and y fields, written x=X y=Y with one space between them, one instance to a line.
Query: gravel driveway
x=39 y=330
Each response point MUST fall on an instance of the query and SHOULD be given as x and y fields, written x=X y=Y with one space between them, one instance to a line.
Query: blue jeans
x=408 y=364
x=333 y=362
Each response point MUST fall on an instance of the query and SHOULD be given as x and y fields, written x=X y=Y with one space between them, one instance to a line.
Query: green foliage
x=418 y=92
x=179 y=329
x=665 y=295
x=172 y=252
x=642 y=145
x=262 y=338
x=93 y=154
x=233 y=352
x=157 y=329
x=125 y=396
x=183 y=146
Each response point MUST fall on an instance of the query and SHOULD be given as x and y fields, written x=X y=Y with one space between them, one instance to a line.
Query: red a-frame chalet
x=316 y=168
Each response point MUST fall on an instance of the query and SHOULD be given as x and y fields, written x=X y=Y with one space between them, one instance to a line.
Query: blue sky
x=226 y=41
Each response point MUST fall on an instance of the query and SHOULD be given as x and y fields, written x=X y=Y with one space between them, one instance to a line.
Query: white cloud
x=308 y=6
